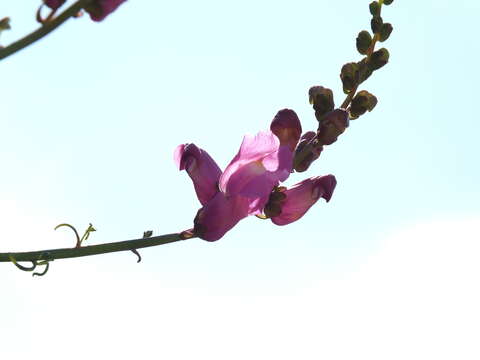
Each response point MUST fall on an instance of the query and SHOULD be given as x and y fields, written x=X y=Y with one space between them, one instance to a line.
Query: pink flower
x=245 y=186
x=100 y=9
x=293 y=203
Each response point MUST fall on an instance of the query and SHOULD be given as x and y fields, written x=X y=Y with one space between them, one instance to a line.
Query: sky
x=91 y=114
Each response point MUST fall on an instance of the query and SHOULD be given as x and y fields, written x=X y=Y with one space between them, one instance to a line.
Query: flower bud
x=385 y=31
x=376 y=24
x=364 y=40
x=387 y=2
x=306 y=153
x=349 y=76
x=333 y=125
x=374 y=8
x=378 y=59
x=322 y=100
x=362 y=102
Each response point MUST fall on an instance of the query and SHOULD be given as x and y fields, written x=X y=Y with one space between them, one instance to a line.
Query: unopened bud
x=385 y=31
x=334 y=124
x=322 y=100
x=362 y=102
x=349 y=76
x=364 y=40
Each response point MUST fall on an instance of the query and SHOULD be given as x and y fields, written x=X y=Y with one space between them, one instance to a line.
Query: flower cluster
x=249 y=185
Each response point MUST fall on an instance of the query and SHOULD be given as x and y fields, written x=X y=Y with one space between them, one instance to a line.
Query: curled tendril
x=35 y=263
x=47 y=265
x=135 y=251
x=85 y=235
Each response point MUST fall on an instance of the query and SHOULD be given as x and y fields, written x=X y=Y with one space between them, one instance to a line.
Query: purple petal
x=54 y=4
x=286 y=126
x=259 y=166
x=100 y=9
x=302 y=196
x=220 y=215
x=201 y=168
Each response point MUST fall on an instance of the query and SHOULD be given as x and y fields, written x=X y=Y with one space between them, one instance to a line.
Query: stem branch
x=91 y=249
x=43 y=30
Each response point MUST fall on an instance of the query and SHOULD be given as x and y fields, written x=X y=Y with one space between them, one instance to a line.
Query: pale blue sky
x=90 y=117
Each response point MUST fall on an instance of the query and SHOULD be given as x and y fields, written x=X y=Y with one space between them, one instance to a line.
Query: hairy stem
x=43 y=30
x=66 y=253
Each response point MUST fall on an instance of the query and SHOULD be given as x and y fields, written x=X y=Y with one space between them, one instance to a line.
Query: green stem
x=44 y=30
x=66 y=253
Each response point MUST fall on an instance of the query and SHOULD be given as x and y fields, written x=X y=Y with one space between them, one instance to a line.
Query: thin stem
x=66 y=253
x=43 y=30
x=370 y=50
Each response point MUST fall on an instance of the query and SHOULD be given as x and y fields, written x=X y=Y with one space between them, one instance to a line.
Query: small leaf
x=385 y=31
x=364 y=40
x=375 y=8
x=376 y=24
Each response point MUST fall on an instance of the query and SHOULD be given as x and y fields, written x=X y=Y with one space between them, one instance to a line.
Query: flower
x=245 y=186
x=100 y=9
x=295 y=202
x=262 y=162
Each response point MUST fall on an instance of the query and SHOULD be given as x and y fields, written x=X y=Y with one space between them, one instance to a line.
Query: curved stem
x=54 y=254
x=44 y=30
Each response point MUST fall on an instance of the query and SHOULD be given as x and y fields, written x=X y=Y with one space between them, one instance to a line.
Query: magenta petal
x=219 y=215
x=286 y=126
x=259 y=165
x=100 y=9
x=201 y=168
x=54 y=4
x=302 y=196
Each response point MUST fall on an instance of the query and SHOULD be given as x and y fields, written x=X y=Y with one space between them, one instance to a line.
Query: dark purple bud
x=333 y=125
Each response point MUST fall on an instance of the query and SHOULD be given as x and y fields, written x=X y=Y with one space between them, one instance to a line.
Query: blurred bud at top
x=286 y=126
x=333 y=125
x=364 y=40
x=5 y=24
x=378 y=59
x=322 y=100
x=362 y=102
x=54 y=4
x=375 y=8
x=387 y=2
x=100 y=9
x=385 y=31
x=349 y=76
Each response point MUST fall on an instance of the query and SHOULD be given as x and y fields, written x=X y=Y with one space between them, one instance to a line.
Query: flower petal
x=219 y=215
x=302 y=196
x=100 y=9
x=259 y=166
x=286 y=126
x=201 y=168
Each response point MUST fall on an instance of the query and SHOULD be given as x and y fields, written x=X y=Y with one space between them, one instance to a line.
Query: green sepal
x=364 y=40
